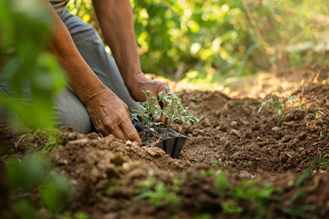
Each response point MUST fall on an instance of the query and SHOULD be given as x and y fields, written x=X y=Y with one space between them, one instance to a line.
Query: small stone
x=276 y=129
x=235 y=132
x=71 y=136
x=234 y=123
x=118 y=160
x=127 y=166
x=82 y=141
x=300 y=148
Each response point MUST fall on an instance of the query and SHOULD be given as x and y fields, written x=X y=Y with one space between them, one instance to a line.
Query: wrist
x=134 y=80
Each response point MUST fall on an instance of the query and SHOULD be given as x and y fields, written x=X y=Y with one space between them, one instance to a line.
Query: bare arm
x=107 y=112
x=116 y=21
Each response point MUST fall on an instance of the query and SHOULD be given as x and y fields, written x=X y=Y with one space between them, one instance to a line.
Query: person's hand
x=109 y=114
x=155 y=87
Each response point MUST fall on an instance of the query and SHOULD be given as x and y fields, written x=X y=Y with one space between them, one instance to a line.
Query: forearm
x=81 y=78
x=116 y=22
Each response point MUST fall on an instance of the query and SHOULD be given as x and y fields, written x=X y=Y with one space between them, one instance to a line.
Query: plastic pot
x=171 y=144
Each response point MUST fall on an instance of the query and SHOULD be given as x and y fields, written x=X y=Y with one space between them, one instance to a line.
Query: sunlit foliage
x=222 y=38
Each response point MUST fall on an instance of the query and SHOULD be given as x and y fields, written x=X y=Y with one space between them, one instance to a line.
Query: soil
x=232 y=140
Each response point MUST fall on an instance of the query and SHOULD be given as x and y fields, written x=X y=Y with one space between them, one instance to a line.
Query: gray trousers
x=69 y=110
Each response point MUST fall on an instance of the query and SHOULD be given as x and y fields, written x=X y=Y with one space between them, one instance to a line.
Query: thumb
x=158 y=117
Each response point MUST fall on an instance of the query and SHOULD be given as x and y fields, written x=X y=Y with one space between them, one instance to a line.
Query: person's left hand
x=154 y=86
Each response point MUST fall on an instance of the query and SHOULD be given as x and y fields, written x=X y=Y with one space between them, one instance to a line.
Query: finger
x=118 y=133
x=158 y=117
x=130 y=131
x=163 y=118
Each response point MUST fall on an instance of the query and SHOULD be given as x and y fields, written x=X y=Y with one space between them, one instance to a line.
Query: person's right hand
x=109 y=114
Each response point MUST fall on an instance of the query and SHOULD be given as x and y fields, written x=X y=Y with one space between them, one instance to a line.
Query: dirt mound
x=241 y=140
x=116 y=179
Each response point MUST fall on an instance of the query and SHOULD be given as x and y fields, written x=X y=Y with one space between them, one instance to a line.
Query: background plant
x=278 y=106
x=30 y=71
x=218 y=39
x=33 y=77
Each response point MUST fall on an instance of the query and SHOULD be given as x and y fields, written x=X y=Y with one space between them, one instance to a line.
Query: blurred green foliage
x=219 y=39
x=30 y=71
x=34 y=171
x=33 y=77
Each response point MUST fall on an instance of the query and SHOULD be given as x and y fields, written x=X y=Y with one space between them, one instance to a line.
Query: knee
x=71 y=112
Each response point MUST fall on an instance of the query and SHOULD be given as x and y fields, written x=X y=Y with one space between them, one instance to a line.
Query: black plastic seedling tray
x=172 y=144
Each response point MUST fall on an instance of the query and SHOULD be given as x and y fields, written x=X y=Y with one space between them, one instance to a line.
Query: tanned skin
x=108 y=113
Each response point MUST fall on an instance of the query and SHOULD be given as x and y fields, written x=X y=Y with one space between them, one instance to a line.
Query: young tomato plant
x=278 y=106
x=174 y=108
x=149 y=110
x=186 y=117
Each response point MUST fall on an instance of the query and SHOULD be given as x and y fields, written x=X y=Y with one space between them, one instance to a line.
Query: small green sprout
x=161 y=195
x=278 y=106
x=320 y=135
x=288 y=153
x=50 y=145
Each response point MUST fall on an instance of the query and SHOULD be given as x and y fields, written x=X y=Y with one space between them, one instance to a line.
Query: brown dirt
x=106 y=173
x=242 y=141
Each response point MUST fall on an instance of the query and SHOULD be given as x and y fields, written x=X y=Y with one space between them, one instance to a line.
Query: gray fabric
x=69 y=110
x=59 y=5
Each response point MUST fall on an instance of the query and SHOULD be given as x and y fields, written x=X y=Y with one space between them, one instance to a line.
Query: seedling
x=50 y=146
x=278 y=106
x=174 y=108
x=320 y=135
x=186 y=117
x=160 y=196
x=289 y=154
x=149 y=111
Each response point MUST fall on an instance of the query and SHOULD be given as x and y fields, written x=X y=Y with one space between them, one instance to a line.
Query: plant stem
x=154 y=132
x=180 y=133
x=168 y=127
